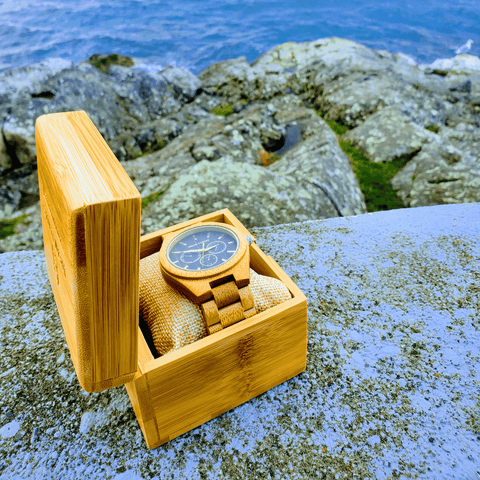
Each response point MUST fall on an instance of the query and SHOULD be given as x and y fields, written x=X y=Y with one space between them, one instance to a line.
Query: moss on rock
x=374 y=178
x=103 y=62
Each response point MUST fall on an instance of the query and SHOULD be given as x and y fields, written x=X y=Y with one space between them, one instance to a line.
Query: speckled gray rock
x=28 y=232
x=390 y=389
x=389 y=98
x=17 y=192
x=439 y=174
x=347 y=81
x=464 y=137
x=389 y=134
x=242 y=136
x=16 y=82
x=459 y=183
x=257 y=196
x=313 y=179
x=156 y=172
x=458 y=65
x=116 y=102
x=149 y=136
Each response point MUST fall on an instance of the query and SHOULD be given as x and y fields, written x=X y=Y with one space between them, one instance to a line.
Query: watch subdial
x=216 y=247
x=190 y=257
x=209 y=260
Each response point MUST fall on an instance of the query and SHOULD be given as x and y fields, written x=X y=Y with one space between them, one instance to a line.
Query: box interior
x=152 y=243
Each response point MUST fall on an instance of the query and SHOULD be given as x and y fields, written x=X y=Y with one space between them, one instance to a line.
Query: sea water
x=197 y=33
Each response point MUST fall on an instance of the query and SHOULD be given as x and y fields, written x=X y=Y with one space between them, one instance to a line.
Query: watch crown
x=249 y=239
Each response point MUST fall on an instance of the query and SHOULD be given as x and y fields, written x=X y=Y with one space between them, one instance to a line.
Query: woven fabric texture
x=175 y=321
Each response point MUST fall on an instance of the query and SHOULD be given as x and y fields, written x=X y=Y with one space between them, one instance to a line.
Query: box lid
x=91 y=230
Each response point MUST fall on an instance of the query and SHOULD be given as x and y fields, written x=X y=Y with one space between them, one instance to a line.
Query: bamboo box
x=91 y=226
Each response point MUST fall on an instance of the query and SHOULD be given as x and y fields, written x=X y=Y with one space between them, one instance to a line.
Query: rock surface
x=390 y=389
x=116 y=102
x=425 y=116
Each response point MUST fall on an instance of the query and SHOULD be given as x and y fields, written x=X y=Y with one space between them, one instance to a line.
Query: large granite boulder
x=465 y=137
x=390 y=389
x=256 y=195
x=444 y=183
x=389 y=134
x=282 y=68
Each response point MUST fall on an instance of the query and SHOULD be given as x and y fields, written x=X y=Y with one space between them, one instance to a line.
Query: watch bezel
x=192 y=274
x=200 y=228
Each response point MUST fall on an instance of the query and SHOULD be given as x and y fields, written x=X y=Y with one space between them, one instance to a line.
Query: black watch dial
x=202 y=248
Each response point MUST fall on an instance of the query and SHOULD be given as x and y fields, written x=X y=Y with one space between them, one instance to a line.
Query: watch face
x=202 y=248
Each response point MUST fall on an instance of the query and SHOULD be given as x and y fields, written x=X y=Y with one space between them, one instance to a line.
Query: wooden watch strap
x=229 y=305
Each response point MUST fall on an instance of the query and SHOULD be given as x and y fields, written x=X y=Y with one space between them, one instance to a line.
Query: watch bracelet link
x=229 y=305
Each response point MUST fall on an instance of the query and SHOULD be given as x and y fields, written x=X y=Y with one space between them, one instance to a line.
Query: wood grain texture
x=192 y=385
x=139 y=394
x=91 y=224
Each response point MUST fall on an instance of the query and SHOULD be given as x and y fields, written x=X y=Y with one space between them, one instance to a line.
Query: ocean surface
x=197 y=33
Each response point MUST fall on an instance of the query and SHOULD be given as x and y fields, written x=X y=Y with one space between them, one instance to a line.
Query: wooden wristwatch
x=210 y=264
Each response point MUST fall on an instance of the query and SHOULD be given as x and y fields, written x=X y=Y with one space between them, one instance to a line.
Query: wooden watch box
x=91 y=227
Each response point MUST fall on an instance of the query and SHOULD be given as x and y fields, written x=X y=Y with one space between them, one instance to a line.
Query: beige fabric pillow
x=175 y=321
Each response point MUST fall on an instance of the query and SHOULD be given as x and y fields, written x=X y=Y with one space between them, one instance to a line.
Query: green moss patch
x=103 y=62
x=338 y=128
x=374 y=179
x=149 y=148
x=7 y=227
x=224 y=110
x=433 y=128
x=150 y=198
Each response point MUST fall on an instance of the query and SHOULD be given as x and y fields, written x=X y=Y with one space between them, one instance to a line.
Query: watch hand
x=200 y=250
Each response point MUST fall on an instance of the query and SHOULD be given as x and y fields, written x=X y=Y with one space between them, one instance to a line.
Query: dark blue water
x=196 y=33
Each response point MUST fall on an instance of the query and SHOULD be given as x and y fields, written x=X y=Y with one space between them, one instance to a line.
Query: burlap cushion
x=175 y=321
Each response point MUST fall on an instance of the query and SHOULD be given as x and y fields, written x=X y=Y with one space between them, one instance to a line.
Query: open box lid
x=91 y=229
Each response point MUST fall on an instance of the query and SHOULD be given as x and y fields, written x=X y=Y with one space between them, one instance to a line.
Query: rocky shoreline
x=254 y=138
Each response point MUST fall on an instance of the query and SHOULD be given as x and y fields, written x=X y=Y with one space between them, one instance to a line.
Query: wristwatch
x=210 y=264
